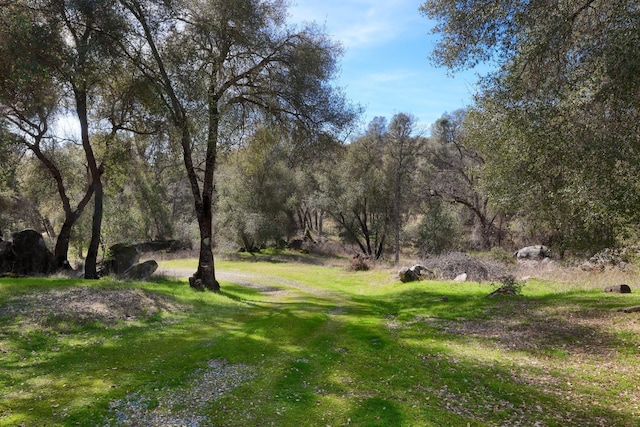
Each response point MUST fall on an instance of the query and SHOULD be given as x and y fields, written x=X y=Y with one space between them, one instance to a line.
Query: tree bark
x=204 y=277
x=61 y=251
x=91 y=261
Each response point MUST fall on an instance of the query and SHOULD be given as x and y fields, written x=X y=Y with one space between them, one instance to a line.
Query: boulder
x=461 y=278
x=7 y=257
x=422 y=271
x=621 y=289
x=412 y=274
x=533 y=252
x=140 y=272
x=295 y=244
x=31 y=255
x=408 y=275
x=121 y=258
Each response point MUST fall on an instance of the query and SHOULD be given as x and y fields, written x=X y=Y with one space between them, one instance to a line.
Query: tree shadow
x=326 y=366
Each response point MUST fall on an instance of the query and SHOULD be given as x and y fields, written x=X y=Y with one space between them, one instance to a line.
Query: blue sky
x=386 y=67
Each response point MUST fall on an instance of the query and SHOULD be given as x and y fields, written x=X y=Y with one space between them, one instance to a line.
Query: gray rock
x=461 y=278
x=533 y=252
x=7 y=257
x=621 y=289
x=422 y=271
x=407 y=275
x=141 y=272
x=31 y=255
x=121 y=258
x=412 y=274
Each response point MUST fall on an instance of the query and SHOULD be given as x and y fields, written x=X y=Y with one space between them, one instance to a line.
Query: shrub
x=510 y=286
x=359 y=263
x=438 y=230
x=502 y=255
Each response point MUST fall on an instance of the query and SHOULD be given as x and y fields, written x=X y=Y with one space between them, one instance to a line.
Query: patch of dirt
x=271 y=285
x=183 y=406
x=86 y=305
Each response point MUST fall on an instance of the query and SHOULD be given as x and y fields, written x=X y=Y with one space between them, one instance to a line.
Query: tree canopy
x=558 y=118
x=233 y=66
x=216 y=70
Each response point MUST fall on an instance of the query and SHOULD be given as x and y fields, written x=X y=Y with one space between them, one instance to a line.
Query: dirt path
x=185 y=405
x=268 y=285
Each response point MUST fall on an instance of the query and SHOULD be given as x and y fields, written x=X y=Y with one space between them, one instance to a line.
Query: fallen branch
x=630 y=309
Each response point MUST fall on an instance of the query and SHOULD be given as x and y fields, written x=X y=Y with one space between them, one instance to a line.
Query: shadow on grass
x=315 y=365
x=569 y=323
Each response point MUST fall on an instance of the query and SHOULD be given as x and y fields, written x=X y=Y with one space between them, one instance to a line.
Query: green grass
x=328 y=347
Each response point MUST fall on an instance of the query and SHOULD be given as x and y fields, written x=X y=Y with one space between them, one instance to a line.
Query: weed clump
x=510 y=286
x=359 y=263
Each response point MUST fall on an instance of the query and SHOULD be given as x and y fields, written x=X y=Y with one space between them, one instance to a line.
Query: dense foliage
x=215 y=121
x=196 y=74
x=558 y=121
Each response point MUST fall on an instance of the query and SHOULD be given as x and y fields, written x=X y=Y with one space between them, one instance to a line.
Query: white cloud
x=385 y=67
x=359 y=23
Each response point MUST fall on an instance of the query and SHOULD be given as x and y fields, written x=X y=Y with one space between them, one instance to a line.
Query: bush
x=359 y=263
x=438 y=230
x=510 y=286
x=502 y=255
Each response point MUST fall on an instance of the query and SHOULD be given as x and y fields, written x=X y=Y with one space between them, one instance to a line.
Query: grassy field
x=296 y=344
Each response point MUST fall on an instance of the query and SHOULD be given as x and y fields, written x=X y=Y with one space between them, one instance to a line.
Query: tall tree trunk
x=206 y=269
x=91 y=262
x=397 y=206
x=204 y=277
x=61 y=250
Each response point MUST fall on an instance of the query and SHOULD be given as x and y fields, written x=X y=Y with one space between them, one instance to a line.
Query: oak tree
x=563 y=104
x=222 y=65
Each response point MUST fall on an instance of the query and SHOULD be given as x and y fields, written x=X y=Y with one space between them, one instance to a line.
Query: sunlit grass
x=328 y=346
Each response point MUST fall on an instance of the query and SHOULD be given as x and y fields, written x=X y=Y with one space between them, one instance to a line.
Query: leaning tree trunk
x=61 y=250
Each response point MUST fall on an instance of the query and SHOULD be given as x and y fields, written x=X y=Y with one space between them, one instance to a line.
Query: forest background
x=216 y=122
